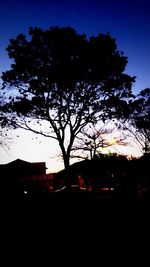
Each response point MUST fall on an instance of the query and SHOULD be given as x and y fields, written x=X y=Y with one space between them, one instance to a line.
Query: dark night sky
x=127 y=21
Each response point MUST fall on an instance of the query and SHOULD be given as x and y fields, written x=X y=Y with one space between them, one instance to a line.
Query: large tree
x=65 y=81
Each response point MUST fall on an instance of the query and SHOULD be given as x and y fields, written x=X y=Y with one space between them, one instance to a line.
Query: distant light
x=107 y=189
x=25 y=192
x=113 y=141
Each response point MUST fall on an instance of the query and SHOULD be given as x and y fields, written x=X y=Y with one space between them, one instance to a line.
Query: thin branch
x=35 y=131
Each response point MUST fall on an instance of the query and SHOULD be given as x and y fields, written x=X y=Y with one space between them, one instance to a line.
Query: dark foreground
x=67 y=226
x=74 y=205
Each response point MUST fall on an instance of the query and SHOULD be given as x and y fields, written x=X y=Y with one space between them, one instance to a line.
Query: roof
x=20 y=167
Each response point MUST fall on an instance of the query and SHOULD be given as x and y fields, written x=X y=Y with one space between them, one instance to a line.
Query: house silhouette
x=20 y=176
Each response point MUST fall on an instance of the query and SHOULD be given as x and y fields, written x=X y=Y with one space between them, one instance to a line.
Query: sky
x=127 y=21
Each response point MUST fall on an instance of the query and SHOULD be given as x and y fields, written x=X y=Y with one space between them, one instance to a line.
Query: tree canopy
x=66 y=81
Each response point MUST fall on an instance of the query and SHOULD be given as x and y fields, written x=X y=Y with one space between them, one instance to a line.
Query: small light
x=25 y=192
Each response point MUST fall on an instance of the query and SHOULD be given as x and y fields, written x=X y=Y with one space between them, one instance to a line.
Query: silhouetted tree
x=138 y=125
x=141 y=119
x=91 y=141
x=65 y=81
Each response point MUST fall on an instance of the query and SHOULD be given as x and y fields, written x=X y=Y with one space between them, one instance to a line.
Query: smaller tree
x=140 y=119
x=93 y=139
x=137 y=125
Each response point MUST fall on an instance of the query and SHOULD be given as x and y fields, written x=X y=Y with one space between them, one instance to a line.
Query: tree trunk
x=67 y=174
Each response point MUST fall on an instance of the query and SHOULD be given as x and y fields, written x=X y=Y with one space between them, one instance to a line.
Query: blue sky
x=127 y=21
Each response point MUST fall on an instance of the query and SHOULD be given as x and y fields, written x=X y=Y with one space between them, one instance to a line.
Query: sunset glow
x=113 y=141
